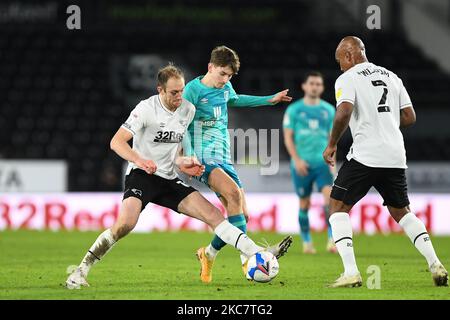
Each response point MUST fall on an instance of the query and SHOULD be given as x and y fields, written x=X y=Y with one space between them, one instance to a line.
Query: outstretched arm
x=243 y=100
x=340 y=124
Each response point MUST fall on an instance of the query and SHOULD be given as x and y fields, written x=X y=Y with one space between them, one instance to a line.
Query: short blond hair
x=167 y=72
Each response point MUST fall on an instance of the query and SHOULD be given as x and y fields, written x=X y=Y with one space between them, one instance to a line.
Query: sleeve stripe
x=407 y=105
x=128 y=129
x=344 y=100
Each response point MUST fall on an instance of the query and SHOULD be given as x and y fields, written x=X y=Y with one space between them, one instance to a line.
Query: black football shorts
x=354 y=180
x=155 y=189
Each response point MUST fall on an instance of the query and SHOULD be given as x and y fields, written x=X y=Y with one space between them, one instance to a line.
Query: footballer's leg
x=229 y=193
x=225 y=182
x=232 y=219
x=196 y=206
x=326 y=191
x=418 y=234
x=343 y=237
x=303 y=221
x=244 y=205
x=303 y=189
x=393 y=188
x=126 y=221
x=324 y=182
x=278 y=249
x=352 y=183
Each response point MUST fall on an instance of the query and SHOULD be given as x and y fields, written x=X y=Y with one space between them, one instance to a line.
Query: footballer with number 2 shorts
x=374 y=102
x=211 y=95
x=157 y=126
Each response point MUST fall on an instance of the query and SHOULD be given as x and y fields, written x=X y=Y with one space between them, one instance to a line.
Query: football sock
x=416 y=231
x=101 y=246
x=342 y=236
x=236 y=238
x=326 y=209
x=239 y=222
x=303 y=221
x=210 y=252
x=216 y=244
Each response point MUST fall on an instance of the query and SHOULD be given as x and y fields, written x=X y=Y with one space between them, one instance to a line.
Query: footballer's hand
x=190 y=166
x=301 y=167
x=333 y=169
x=281 y=97
x=329 y=155
x=147 y=165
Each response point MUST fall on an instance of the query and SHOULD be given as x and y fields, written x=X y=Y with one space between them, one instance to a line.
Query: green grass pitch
x=163 y=266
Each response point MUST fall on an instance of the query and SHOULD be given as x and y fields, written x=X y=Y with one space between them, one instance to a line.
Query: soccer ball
x=262 y=267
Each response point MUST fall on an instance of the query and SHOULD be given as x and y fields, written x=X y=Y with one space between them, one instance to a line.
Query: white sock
x=210 y=252
x=101 y=246
x=243 y=257
x=416 y=231
x=341 y=228
x=236 y=238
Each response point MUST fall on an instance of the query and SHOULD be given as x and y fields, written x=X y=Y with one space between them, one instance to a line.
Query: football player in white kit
x=157 y=126
x=374 y=102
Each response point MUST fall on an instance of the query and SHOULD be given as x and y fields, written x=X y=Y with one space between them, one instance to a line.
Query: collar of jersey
x=164 y=107
x=358 y=65
x=311 y=106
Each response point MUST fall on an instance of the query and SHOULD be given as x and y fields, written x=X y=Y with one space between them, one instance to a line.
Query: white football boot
x=347 y=281
x=440 y=275
x=280 y=248
x=76 y=279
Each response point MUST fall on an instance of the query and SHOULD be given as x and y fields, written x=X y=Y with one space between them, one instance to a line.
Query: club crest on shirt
x=338 y=93
x=204 y=101
x=162 y=124
x=183 y=123
x=313 y=124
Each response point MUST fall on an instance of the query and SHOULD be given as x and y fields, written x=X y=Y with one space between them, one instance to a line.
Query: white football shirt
x=377 y=95
x=157 y=133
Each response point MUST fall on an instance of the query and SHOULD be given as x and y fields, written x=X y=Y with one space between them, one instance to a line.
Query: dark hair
x=223 y=56
x=167 y=72
x=312 y=74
